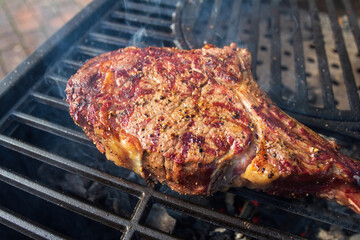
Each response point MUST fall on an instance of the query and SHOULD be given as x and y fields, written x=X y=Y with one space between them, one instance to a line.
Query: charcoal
x=160 y=219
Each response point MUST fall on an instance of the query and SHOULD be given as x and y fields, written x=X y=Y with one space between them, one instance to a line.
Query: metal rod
x=141 y=204
x=152 y=234
x=234 y=22
x=52 y=128
x=212 y=23
x=91 y=51
x=275 y=81
x=71 y=166
x=196 y=24
x=347 y=130
x=301 y=85
x=117 y=41
x=132 y=30
x=162 y=3
x=28 y=227
x=59 y=198
x=254 y=37
x=57 y=78
x=141 y=18
x=141 y=208
x=242 y=21
x=70 y=203
x=233 y=223
x=52 y=101
x=353 y=22
x=299 y=208
x=74 y=64
x=148 y=8
x=351 y=88
x=323 y=65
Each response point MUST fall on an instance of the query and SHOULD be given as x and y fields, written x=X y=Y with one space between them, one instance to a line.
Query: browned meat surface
x=198 y=122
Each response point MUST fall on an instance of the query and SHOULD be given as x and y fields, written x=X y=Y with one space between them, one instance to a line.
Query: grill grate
x=279 y=40
x=36 y=130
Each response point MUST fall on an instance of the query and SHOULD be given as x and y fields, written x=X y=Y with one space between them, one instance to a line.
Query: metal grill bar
x=117 y=41
x=91 y=51
x=323 y=66
x=353 y=22
x=254 y=37
x=196 y=211
x=70 y=166
x=301 y=86
x=52 y=101
x=275 y=51
x=153 y=234
x=346 y=128
x=160 y=4
x=57 y=78
x=70 y=203
x=195 y=25
x=27 y=227
x=141 y=19
x=299 y=208
x=212 y=21
x=344 y=58
x=75 y=64
x=234 y=223
x=129 y=29
x=149 y=8
x=234 y=21
x=141 y=207
x=52 y=128
x=75 y=205
x=166 y=3
x=240 y=31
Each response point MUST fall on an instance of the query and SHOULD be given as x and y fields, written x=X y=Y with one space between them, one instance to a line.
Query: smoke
x=137 y=38
x=141 y=38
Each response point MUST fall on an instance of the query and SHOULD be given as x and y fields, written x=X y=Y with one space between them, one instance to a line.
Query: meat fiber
x=198 y=122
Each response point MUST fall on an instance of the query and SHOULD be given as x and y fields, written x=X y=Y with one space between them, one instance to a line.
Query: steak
x=197 y=121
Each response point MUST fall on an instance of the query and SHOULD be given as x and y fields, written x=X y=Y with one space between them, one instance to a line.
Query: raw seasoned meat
x=198 y=122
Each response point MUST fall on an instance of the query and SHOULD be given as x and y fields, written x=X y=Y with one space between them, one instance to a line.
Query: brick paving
x=26 y=24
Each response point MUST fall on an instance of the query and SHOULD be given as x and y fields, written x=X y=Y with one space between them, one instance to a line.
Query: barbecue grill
x=56 y=185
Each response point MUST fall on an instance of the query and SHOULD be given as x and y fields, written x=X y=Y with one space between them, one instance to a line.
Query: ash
x=160 y=219
x=334 y=233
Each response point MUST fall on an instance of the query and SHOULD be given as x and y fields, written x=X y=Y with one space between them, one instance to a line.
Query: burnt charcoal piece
x=197 y=121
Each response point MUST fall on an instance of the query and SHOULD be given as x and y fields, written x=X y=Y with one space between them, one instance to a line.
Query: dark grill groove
x=344 y=59
x=328 y=95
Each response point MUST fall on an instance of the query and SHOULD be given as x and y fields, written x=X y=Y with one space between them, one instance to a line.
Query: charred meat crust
x=169 y=101
x=197 y=121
